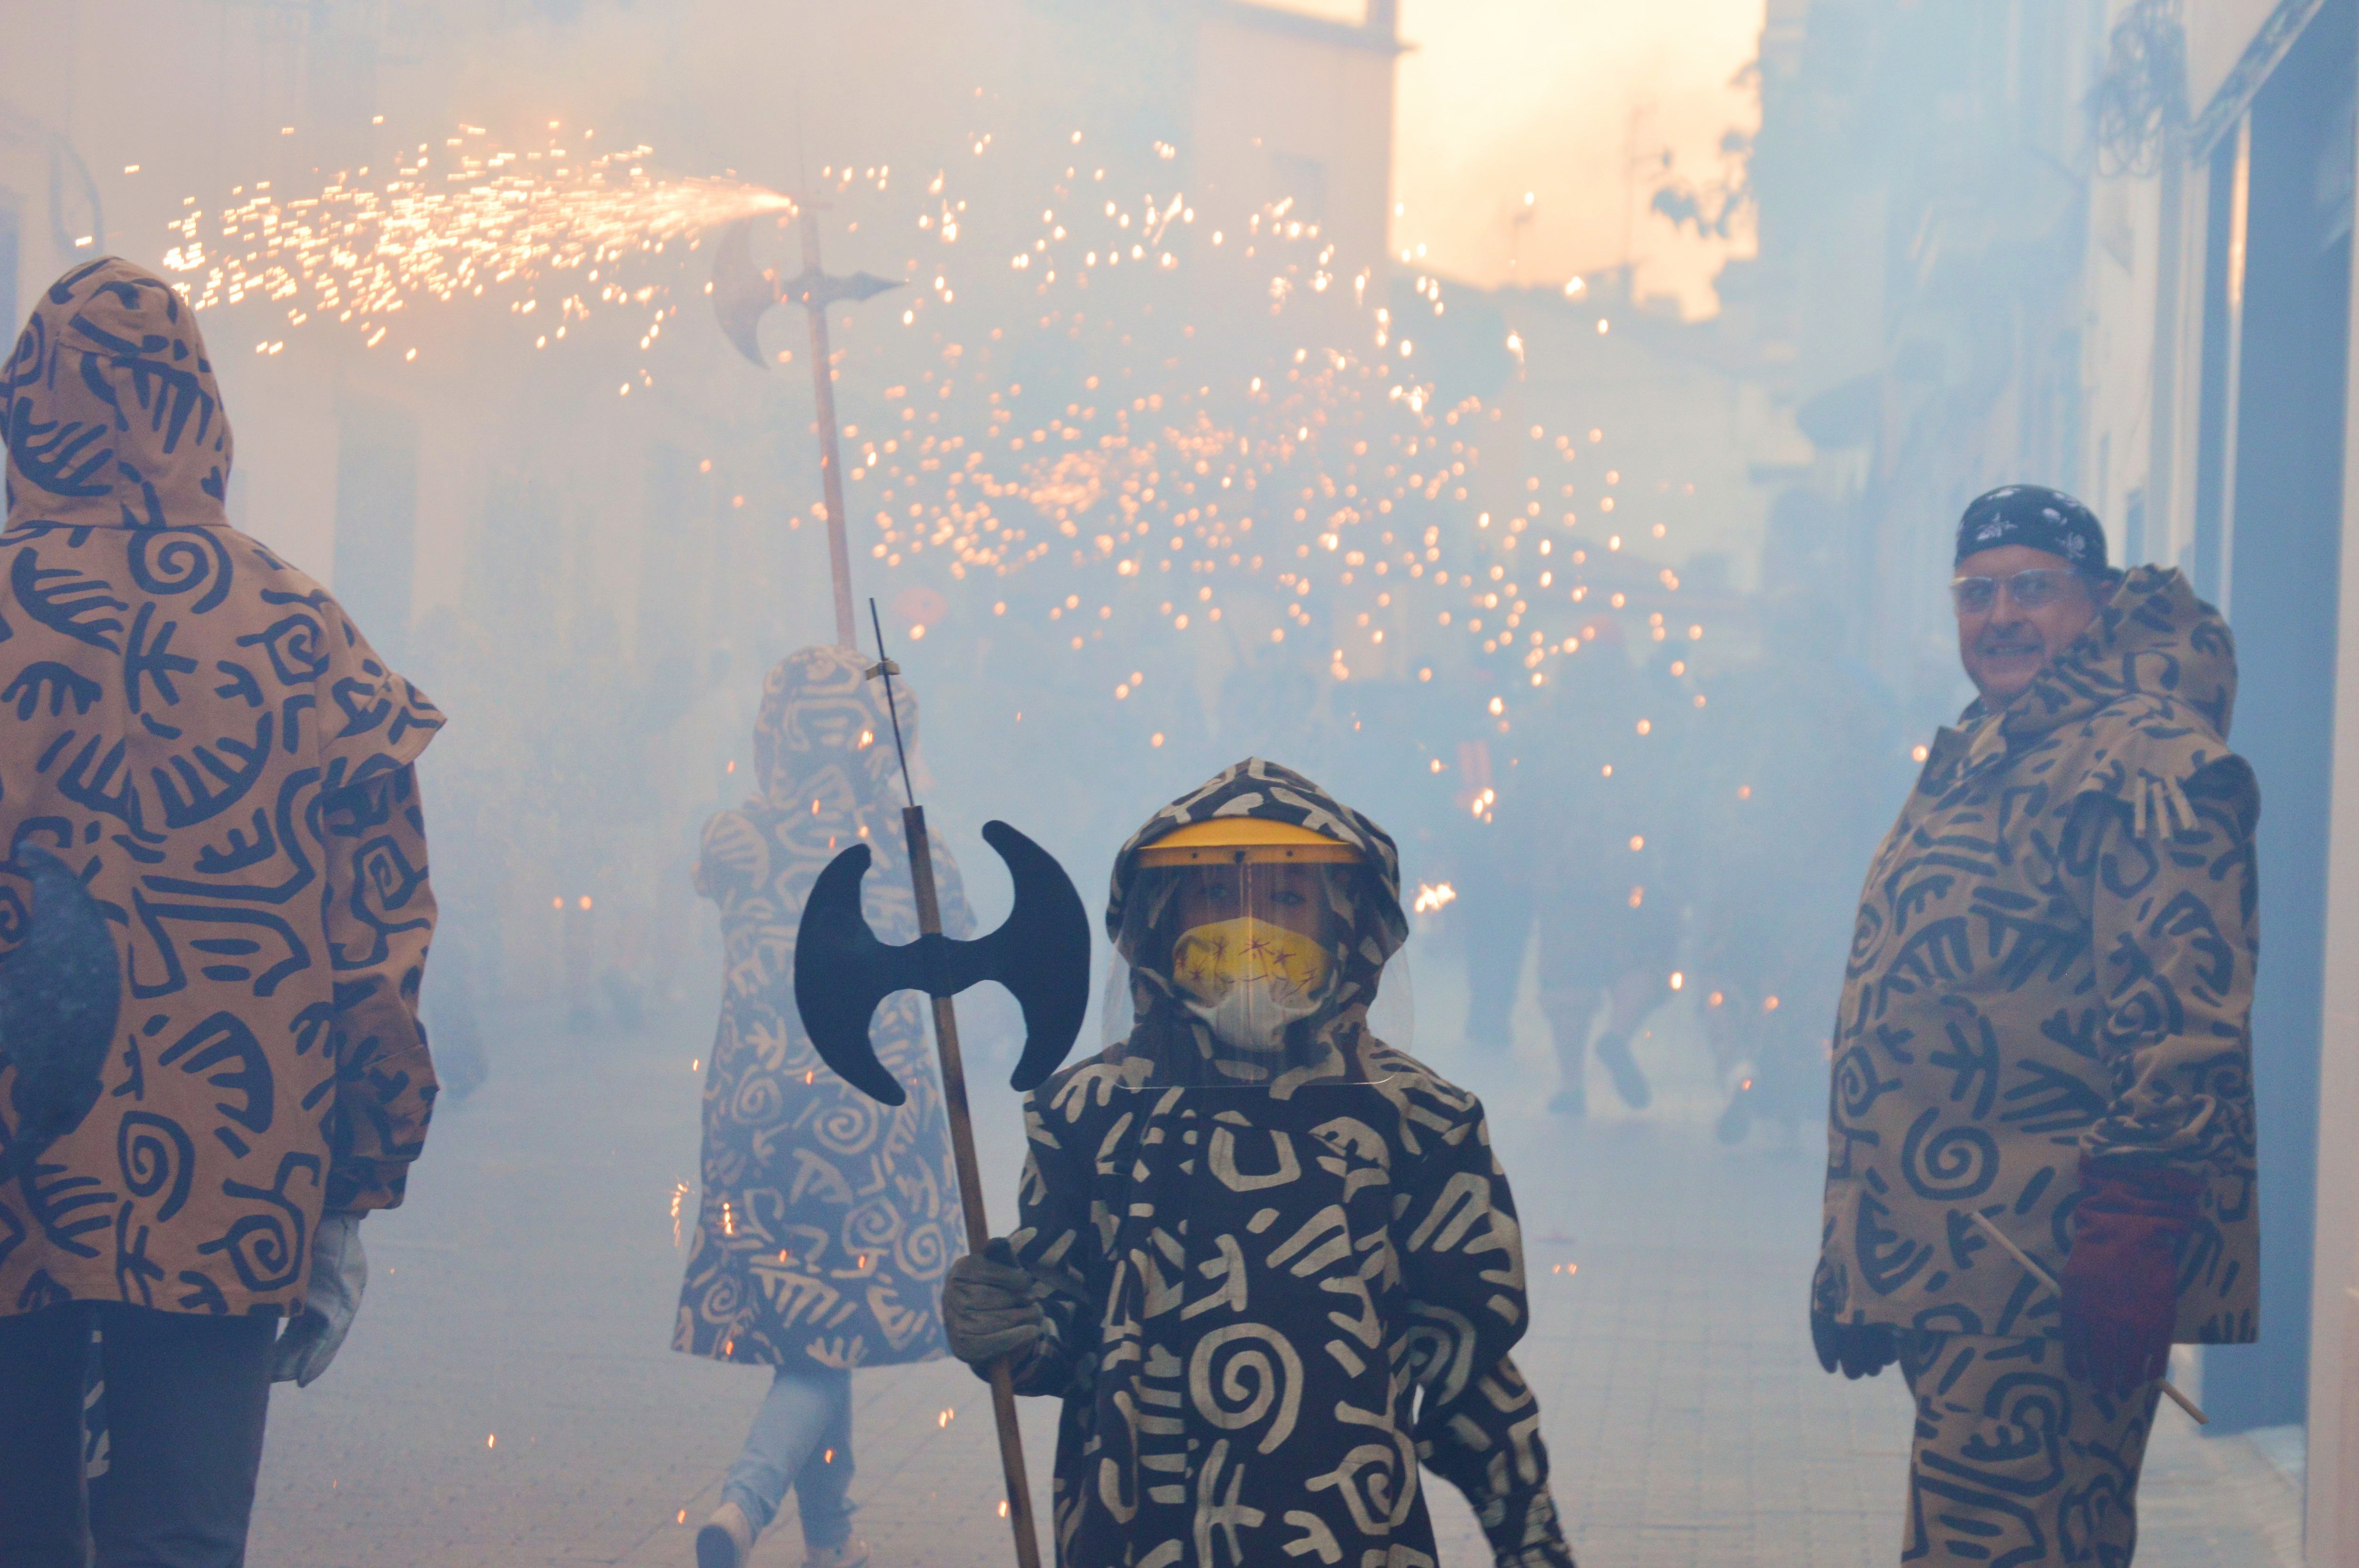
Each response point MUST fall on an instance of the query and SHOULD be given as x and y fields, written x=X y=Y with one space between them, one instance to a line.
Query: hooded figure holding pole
x=1268 y=1262
x=827 y=1219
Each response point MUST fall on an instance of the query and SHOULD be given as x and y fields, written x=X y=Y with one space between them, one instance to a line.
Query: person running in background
x=1799 y=760
x=1589 y=819
x=827 y=1220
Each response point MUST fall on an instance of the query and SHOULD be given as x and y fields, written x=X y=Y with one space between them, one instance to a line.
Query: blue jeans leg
x=801 y=1434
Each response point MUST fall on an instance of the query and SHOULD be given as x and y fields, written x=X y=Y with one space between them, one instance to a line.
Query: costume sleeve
x=1488 y=1446
x=2173 y=924
x=372 y=721
x=1052 y=1240
x=1462 y=1265
x=732 y=857
x=380 y=920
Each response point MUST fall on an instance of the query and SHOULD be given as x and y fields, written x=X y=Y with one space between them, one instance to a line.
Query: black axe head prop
x=59 y=993
x=743 y=292
x=1040 y=953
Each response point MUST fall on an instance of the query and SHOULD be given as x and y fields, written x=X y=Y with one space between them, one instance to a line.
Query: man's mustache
x=1999 y=645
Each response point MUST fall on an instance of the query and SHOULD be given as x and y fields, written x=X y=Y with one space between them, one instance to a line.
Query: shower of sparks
x=453 y=223
x=1432 y=896
x=1320 y=490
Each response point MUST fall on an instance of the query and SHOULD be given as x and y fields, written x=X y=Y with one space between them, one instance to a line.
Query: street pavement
x=508 y=1397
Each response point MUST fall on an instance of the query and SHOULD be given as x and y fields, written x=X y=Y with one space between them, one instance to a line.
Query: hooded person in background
x=2046 y=1027
x=198 y=729
x=1268 y=1262
x=827 y=1219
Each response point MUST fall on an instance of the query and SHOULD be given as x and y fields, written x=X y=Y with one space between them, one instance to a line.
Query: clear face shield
x=1248 y=953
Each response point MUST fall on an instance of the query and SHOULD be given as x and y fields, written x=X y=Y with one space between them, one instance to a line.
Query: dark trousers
x=185 y=1396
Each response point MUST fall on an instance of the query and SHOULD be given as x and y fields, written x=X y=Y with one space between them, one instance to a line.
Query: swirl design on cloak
x=1238 y=1374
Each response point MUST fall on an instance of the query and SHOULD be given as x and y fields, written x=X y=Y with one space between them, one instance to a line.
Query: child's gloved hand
x=990 y=1305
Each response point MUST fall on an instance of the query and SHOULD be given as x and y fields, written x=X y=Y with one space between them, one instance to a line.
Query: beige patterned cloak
x=199 y=731
x=2054 y=955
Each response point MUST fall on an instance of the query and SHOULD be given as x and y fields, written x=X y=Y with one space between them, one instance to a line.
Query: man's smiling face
x=2006 y=643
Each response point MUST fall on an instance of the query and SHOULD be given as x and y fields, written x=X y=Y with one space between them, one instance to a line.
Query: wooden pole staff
x=970 y=1174
x=831 y=461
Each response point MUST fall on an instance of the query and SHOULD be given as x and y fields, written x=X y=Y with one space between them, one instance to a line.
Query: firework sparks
x=1327 y=484
x=452 y=223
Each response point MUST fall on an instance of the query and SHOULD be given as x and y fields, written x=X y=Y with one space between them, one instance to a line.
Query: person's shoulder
x=1418 y=1089
x=1106 y=1064
x=1092 y=1084
x=2142 y=742
x=733 y=855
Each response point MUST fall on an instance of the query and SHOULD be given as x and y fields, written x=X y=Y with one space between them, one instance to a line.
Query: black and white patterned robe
x=1271 y=1308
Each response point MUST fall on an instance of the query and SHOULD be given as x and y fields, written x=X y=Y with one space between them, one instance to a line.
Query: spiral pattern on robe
x=155 y=1156
x=179 y=562
x=849 y=1126
x=264 y=1248
x=874 y=1225
x=1246 y=1377
x=923 y=1252
x=1957 y=1163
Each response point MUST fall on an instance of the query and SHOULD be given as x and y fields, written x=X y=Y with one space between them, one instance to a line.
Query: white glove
x=339 y=1275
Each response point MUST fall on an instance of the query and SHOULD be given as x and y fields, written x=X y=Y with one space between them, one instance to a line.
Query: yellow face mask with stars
x=1249 y=978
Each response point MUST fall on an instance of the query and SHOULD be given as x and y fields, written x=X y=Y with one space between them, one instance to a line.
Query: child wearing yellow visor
x=1267 y=1261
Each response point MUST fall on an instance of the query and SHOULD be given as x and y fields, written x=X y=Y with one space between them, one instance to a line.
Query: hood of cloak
x=825 y=733
x=1141 y=917
x=2153 y=638
x=110 y=410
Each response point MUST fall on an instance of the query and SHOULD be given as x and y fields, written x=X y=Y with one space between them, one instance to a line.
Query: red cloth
x=2121 y=1279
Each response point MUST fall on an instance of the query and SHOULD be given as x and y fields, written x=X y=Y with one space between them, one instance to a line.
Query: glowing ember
x=1432 y=896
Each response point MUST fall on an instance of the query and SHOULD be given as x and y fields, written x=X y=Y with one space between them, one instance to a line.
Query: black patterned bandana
x=2034 y=515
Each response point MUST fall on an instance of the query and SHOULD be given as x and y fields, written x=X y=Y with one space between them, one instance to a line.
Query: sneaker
x=1614 y=1050
x=727 y=1539
x=852 y=1554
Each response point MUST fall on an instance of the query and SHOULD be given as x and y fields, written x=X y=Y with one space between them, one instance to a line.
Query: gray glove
x=339 y=1275
x=991 y=1305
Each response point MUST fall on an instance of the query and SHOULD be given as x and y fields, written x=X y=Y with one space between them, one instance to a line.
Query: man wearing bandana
x=1268 y=1262
x=2044 y=1028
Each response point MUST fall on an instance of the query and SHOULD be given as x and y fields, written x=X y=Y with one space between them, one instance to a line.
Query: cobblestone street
x=508 y=1397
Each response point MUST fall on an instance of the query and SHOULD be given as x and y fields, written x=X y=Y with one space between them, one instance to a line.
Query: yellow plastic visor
x=1246 y=840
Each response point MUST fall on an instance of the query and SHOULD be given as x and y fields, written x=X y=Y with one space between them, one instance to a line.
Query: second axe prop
x=742 y=294
x=1040 y=953
x=59 y=993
